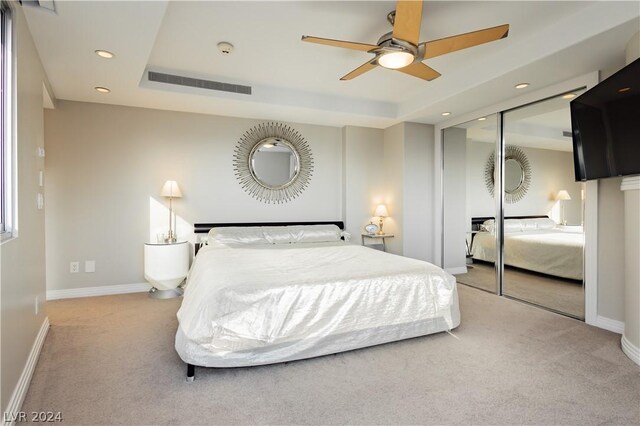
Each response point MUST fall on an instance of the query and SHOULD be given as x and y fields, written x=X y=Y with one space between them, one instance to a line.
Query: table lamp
x=381 y=212
x=563 y=195
x=171 y=190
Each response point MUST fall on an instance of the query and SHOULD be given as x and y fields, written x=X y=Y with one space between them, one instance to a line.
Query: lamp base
x=380 y=230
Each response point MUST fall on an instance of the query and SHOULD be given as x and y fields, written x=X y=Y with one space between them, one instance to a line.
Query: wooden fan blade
x=462 y=41
x=420 y=70
x=340 y=43
x=361 y=70
x=407 y=22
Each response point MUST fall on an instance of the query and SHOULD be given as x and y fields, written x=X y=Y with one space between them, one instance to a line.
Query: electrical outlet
x=37 y=305
x=89 y=265
x=74 y=267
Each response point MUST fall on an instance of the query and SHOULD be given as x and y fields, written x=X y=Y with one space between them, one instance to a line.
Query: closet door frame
x=591 y=188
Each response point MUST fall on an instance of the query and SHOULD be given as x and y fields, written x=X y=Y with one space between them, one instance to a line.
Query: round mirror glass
x=513 y=175
x=274 y=163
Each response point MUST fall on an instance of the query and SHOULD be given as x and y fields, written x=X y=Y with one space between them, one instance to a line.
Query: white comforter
x=551 y=251
x=264 y=304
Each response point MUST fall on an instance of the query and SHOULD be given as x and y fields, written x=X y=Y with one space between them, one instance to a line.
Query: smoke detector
x=225 y=48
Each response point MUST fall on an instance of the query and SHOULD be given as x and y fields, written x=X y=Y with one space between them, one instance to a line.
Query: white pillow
x=235 y=235
x=314 y=233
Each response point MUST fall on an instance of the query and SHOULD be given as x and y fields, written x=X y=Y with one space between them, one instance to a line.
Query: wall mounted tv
x=605 y=125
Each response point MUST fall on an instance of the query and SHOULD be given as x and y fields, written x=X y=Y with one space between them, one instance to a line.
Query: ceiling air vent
x=198 y=83
x=44 y=4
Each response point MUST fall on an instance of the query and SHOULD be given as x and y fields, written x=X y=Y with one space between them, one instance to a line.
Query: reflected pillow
x=529 y=224
x=545 y=223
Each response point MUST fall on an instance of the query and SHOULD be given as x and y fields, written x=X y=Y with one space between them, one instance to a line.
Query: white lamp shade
x=395 y=60
x=171 y=189
x=563 y=195
x=381 y=211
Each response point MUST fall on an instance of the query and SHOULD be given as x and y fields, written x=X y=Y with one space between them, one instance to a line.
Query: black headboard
x=203 y=228
x=477 y=221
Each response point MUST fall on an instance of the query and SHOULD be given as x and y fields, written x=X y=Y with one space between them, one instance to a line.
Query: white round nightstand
x=165 y=267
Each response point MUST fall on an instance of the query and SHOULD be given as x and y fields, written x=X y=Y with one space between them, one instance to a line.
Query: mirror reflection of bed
x=543 y=262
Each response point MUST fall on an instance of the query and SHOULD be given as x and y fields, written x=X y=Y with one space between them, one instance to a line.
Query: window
x=7 y=152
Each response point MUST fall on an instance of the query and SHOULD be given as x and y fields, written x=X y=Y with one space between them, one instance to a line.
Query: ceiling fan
x=401 y=49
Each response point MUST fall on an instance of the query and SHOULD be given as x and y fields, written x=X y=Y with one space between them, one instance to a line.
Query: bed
x=263 y=295
x=535 y=244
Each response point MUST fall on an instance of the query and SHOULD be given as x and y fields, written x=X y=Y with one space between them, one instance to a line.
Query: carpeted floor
x=110 y=360
x=560 y=295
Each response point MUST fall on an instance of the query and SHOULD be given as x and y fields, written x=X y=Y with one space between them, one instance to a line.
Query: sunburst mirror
x=273 y=163
x=517 y=174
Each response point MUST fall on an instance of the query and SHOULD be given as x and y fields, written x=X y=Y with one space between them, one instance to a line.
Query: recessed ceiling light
x=569 y=96
x=522 y=85
x=102 y=89
x=104 y=54
x=482 y=118
x=446 y=113
x=624 y=89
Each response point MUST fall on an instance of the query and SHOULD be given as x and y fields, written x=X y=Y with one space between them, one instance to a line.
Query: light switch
x=90 y=266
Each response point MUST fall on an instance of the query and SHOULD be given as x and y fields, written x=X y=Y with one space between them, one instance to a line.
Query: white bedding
x=555 y=251
x=256 y=305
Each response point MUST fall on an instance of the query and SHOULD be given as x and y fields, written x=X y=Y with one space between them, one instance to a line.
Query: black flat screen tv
x=605 y=123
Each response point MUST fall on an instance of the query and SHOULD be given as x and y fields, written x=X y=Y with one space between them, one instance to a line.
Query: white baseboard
x=609 y=324
x=457 y=270
x=97 y=291
x=19 y=393
x=632 y=351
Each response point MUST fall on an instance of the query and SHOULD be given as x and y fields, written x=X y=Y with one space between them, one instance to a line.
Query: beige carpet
x=560 y=295
x=110 y=360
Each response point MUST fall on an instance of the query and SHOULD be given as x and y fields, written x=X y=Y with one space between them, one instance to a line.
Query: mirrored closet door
x=543 y=208
x=469 y=245
x=516 y=166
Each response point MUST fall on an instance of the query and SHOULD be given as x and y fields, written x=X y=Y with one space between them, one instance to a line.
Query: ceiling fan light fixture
x=395 y=60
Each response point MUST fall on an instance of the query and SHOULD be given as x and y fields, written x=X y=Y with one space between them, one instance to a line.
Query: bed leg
x=191 y=372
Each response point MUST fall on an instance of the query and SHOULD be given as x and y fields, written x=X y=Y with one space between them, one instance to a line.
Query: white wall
x=106 y=164
x=23 y=258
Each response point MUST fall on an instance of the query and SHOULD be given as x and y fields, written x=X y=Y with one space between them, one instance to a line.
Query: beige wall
x=551 y=171
x=408 y=159
x=394 y=185
x=23 y=258
x=611 y=249
x=106 y=164
x=418 y=191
